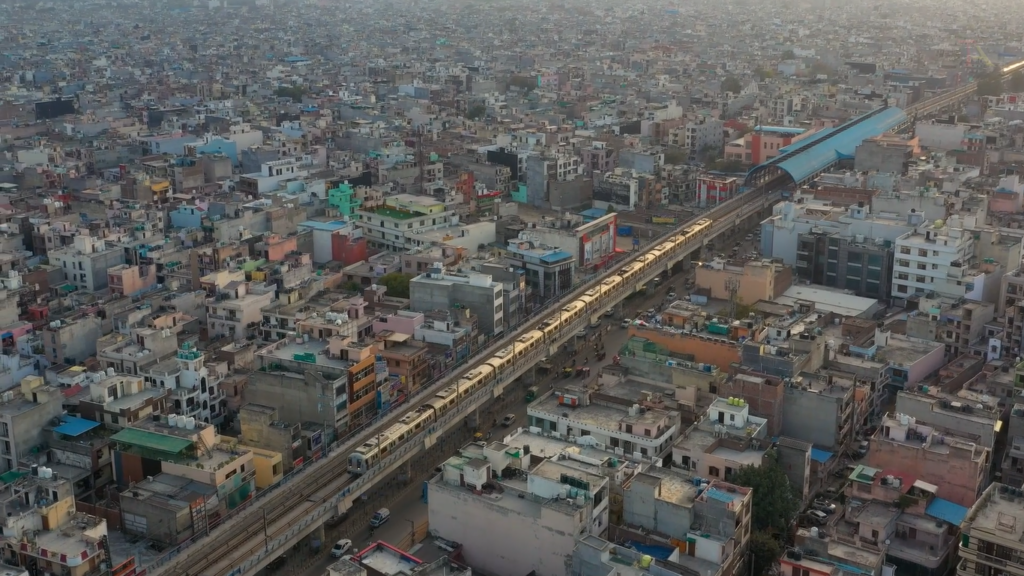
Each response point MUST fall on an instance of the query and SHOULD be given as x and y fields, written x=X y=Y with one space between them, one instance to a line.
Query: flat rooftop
x=998 y=513
x=313 y=350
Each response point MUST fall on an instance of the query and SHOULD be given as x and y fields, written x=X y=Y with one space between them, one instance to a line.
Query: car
x=336 y=520
x=817 y=516
x=823 y=505
x=651 y=311
x=582 y=333
x=508 y=420
x=672 y=295
x=749 y=237
x=595 y=323
x=626 y=323
x=610 y=312
x=824 y=509
x=341 y=548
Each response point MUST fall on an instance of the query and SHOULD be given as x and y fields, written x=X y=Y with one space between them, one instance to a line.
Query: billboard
x=598 y=244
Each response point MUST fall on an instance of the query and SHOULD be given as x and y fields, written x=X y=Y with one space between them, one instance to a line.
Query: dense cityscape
x=436 y=288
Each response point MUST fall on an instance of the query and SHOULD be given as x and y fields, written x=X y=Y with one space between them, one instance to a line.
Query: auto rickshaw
x=567 y=372
x=531 y=393
x=481 y=436
x=579 y=371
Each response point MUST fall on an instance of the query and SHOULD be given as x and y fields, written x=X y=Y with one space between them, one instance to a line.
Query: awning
x=946 y=511
x=74 y=426
x=926 y=486
x=821 y=456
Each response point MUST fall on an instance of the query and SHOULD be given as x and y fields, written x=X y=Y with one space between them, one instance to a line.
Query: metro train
x=591 y=302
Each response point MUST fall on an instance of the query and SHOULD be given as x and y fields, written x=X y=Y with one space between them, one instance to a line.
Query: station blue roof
x=820 y=150
x=74 y=426
x=780 y=129
x=555 y=256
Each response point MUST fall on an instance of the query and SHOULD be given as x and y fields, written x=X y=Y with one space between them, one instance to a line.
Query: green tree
x=476 y=111
x=774 y=502
x=765 y=550
x=352 y=286
x=726 y=166
x=991 y=86
x=731 y=84
x=789 y=55
x=1017 y=81
x=763 y=74
x=396 y=283
x=294 y=92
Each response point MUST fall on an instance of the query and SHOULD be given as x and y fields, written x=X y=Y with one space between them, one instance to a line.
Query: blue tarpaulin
x=73 y=426
x=652 y=550
x=947 y=511
x=821 y=456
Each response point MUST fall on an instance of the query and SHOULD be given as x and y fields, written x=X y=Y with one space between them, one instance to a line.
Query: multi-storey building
x=193 y=384
x=236 y=309
x=439 y=290
x=85 y=263
x=935 y=257
x=394 y=226
x=23 y=415
x=989 y=539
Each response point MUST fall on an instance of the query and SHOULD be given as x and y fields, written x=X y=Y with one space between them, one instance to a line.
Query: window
x=904 y=250
x=713 y=471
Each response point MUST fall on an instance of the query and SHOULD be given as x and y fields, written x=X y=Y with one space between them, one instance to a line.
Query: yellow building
x=269 y=466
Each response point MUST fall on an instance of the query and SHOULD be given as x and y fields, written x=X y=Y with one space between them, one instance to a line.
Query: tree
x=774 y=503
x=726 y=166
x=763 y=74
x=352 y=286
x=476 y=111
x=991 y=86
x=789 y=55
x=1017 y=81
x=731 y=84
x=764 y=552
x=396 y=283
x=294 y=92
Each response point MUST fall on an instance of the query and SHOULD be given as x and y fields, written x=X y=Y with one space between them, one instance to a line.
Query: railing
x=736 y=208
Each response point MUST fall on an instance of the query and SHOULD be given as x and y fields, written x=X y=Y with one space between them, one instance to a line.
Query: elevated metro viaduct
x=803 y=161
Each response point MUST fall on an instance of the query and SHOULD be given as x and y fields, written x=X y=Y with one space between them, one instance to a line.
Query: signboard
x=662 y=220
x=317 y=439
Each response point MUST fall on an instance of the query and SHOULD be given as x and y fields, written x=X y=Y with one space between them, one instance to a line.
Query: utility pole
x=732 y=286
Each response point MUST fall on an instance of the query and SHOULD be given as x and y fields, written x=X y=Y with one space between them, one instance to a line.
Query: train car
x=630 y=271
x=418 y=419
x=501 y=360
x=526 y=343
x=569 y=313
x=550 y=327
x=376 y=448
x=611 y=284
x=588 y=301
x=596 y=292
x=446 y=399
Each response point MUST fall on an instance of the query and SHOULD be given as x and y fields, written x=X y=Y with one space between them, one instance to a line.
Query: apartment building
x=612 y=422
x=440 y=290
x=989 y=539
x=71 y=340
x=85 y=263
x=394 y=226
x=131 y=281
x=118 y=400
x=24 y=413
x=958 y=466
x=754 y=280
x=959 y=326
x=1012 y=466
x=186 y=448
x=82 y=449
x=236 y=309
x=724 y=440
x=142 y=348
x=193 y=384
x=549 y=270
x=935 y=257
x=51 y=535
x=857 y=263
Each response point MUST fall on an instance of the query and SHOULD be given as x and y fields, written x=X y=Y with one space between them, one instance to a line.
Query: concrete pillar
x=474 y=419
x=405 y=472
x=317 y=535
x=529 y=377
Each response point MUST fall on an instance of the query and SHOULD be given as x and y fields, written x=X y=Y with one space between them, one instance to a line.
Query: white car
x=341 y=548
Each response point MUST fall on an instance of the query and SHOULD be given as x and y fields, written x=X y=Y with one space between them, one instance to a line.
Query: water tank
x=859 y=238
x=904 y=420
x=111 y=372
x=45 y=472
x=645 y=561
x=562 y=494
x=581 y=501
x=573 y=492
x=172 y=420
x=703 y=486
x=35 y=470
x=305 y=337
x=814 y=532
x=190 y=423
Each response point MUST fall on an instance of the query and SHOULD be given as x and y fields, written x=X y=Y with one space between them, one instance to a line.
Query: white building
x=935 y=257
x=705 y=132
x=637 y=431
x=194 y=386
x=398 y=225
x=541 y=510
x=85 y=263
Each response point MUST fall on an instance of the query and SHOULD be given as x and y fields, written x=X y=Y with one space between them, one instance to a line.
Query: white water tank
x=172 y=420
x=904 y=420
x=190 y=423
x=46 y=472
x=814 y=532
x=581 y=501
x=182 y=421
x=111 y=372
x=562 y=494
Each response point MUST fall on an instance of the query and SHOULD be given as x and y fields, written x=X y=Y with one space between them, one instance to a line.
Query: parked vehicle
x=672 y=295
x=817 y=516
x=531 y=393
x=508 y=420
x=382 y=516
x=341 y=548
x=626 y=323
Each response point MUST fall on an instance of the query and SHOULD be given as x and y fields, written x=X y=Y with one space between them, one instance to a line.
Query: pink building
x=957 y=466
x=276 y=247
x=128 y=280
x=401 y=322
